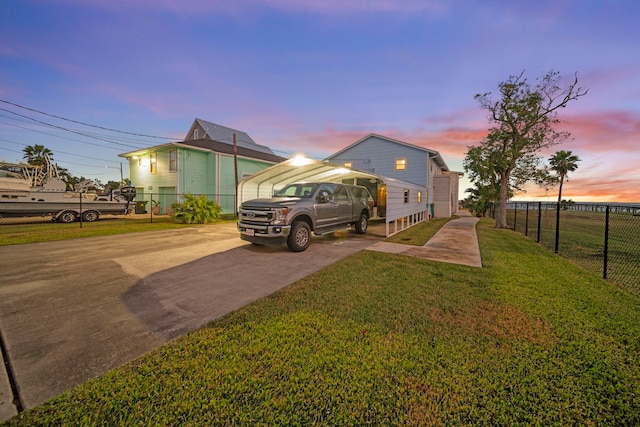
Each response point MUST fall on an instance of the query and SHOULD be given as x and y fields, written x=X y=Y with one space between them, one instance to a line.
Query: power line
x=83 y=123
x=67 y=129
x=64 y=161
x=97 y=136
x=13 y=151
x=57 y=151
x=79 y=164
x=66 y=138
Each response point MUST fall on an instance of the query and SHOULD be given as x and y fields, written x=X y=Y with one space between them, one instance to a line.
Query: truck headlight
x=280 y=216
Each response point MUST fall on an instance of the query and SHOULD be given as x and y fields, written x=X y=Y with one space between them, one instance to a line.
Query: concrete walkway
x=456 y=242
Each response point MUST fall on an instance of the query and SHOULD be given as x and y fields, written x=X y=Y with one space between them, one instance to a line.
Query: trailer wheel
x=90 y=216
x=300 y=236
x=362 y=224
x=67 y=217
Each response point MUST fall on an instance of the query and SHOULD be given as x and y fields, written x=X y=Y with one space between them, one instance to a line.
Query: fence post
x=606 y=244
x=557 y=226
x=539 y=220
x=526 y=221
x=515 y=215
x=151 y=209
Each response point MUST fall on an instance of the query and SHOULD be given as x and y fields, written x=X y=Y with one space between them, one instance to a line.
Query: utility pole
x=235 y=167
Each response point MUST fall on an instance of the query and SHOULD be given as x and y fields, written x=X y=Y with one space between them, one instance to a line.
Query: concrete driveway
x=72 y=310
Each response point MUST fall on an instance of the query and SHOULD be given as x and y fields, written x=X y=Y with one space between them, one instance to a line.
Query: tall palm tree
x=36 y=154
x=563 y=162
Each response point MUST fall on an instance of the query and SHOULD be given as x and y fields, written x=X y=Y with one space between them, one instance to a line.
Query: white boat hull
x=22 y=197
x=88 y=209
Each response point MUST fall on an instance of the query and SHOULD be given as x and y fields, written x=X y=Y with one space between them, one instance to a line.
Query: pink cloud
x=156 y=102
x=605 y=174
x=43 y=56
x=449 y=142
x=328 y=7
x=605 y=131
x=349 y=6
x=604 y=77
x=588 y=189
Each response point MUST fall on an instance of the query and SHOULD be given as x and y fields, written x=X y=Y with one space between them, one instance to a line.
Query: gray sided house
x=201 y=164
x=405 y=162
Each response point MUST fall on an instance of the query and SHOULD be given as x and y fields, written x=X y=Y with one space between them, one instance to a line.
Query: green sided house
x=201 y=164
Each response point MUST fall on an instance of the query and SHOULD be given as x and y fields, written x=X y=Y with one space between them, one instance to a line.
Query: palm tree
x=563 y=162
x=37 y=154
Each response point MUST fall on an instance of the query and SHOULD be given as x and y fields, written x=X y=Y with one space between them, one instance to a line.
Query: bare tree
x=523 y=120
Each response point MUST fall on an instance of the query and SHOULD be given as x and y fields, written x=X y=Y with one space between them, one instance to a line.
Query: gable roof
x=224 y=135
x=224 y=148
x=431 y=153
x=208 y=145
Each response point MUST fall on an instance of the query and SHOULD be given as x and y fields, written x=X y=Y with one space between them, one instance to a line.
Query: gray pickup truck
x=299 y=209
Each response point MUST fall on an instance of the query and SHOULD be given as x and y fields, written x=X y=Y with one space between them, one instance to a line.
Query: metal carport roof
x=400 y=212
x=299 y=169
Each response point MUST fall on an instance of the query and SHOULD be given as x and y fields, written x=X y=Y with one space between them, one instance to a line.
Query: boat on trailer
x=28 y=190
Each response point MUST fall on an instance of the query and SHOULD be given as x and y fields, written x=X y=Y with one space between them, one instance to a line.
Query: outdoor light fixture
x=300 y=160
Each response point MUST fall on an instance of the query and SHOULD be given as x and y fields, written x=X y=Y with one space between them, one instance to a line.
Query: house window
x=173 y=160
x=348 y=164
x=401 y=164
x=419 y=196
x=406 y=195
x=195 y=133
x=153 y=163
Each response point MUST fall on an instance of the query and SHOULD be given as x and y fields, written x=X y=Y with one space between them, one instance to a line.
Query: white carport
x=401 y=204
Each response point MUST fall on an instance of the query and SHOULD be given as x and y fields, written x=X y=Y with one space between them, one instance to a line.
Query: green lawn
x=45 y=231
x=420 y=234
x=582 y=239
x=382 y=339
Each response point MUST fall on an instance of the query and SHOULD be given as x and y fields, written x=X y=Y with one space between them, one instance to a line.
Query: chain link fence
x=604 y=238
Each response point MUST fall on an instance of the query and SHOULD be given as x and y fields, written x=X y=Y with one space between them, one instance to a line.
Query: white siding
x=377 y=155
x=401 y=215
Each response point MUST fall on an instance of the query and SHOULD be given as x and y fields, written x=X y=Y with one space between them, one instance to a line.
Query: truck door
x=345 y=204
x=326 y=206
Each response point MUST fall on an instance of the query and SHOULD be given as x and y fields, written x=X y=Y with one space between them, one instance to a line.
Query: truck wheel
x=67 y=217
x=362 y=224
x=90 y=216
x=300 y=236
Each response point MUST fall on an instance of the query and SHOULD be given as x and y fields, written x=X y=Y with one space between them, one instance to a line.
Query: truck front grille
x=256 y=216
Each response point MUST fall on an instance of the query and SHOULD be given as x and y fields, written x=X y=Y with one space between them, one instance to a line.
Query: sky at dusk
x=314 y=76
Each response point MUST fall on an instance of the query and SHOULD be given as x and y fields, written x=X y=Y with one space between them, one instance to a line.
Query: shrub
x=195 y=210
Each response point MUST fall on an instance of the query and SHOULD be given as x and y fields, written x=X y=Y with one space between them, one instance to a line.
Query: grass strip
x=17 y=233
x=420 y=234
x=383 y=339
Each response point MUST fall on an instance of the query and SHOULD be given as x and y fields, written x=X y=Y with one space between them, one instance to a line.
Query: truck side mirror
x=323 y=197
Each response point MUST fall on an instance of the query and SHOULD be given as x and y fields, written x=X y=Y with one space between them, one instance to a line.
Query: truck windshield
x=297 y=190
